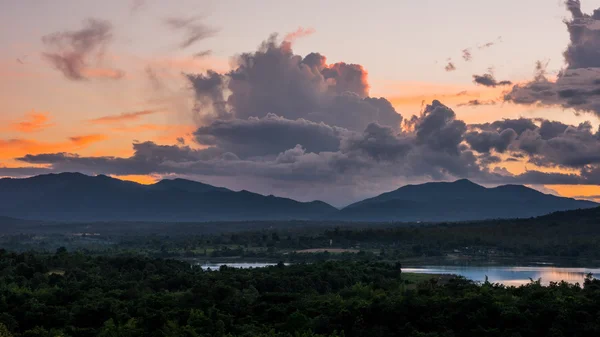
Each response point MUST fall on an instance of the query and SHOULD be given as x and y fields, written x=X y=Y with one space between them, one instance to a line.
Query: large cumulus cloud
x=301 y=127
x=275 y=80
x=545 y=143
x=578 y=85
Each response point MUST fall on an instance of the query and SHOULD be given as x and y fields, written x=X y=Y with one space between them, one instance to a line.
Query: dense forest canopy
x=65 y=294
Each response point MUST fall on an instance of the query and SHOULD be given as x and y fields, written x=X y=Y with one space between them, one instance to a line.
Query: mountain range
x=74 y=197
x=461 y=200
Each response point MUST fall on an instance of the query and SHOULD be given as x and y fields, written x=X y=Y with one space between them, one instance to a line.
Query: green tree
x=4 y=331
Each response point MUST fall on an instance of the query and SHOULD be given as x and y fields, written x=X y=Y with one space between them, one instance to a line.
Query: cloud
x=298 y=126
x=293 y=155
x=34 y=122
x=485 y=141
x=123 y=117
x=87 y=139
x=193 y=28
x=466 y=55
x=450 y=66
x=275 y=80
x=544 y=143
x=203 y=54
x=298 y=33
x=476 y=102
x=578 y=85
x=72 y=52
x=378 y=142
x=11 y=148
x=489 y=80
x=269 y=135
x=485 y=45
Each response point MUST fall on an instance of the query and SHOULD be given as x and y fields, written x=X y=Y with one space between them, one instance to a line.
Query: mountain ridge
x=79 y=197
x=461 y=200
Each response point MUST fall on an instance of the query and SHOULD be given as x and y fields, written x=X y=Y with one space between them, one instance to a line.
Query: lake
x=510 y=275
x=507 y=275
x=243 y=265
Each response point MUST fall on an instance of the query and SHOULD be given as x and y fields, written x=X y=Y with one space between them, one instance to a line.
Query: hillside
x=77 y=197
x=461 y=200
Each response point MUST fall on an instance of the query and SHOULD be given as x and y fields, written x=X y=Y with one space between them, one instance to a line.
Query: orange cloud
x=126 y=116
x=87 y=139
x=13 y=148
x=299 y=33
x=33 y=122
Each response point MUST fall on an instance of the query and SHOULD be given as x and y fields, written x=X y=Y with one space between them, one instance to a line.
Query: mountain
x=77 y=197
x=74 y=197
x=458 y=201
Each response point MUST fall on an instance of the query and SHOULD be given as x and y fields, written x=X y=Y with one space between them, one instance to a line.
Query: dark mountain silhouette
x=74 y=197
x=77 y=197
x=458 y=201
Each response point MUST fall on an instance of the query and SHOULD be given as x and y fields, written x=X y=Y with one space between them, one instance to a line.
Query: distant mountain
x=77 y=197
x=458 y=201
x=74 y=197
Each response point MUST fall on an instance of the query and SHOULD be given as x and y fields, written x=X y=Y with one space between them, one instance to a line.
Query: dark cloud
x=148 y=158
x=450 y=67
x=378 y=142
x=487 y=140
x=488 y=159
x=194 y=29
x=551 y=129
x=439 y=129
x=584 y=47
x=269 y=135
x=72 y=52
x=210 y=98
x=466 y=55
x=577 y=86
x=519 y=125
x=547 y=143
x=476 y=102
x=489 y=80
x=203 y=54
x=23 y=171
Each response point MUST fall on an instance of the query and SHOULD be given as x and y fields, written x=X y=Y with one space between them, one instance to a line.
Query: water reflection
x=243 y=265
x=510 y=276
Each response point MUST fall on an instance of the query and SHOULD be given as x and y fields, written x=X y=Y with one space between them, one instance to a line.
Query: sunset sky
x=399 y=92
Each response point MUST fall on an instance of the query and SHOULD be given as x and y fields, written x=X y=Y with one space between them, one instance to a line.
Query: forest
x=574 y=235
x=73 y=294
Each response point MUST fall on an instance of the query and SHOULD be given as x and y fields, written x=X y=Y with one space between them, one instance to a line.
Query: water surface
x=507 y=275
x=511 y=275
x=243 y=265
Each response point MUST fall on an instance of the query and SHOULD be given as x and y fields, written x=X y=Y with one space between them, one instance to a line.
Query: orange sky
x=136 y=92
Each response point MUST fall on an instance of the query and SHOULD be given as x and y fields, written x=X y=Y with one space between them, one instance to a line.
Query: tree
x=4 y=331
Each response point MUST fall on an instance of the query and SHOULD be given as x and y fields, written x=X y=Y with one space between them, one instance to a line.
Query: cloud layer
x=302 y=127
x=578 y=85
x=78 y=54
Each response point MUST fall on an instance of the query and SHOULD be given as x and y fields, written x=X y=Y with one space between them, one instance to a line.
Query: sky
x=335 y=100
